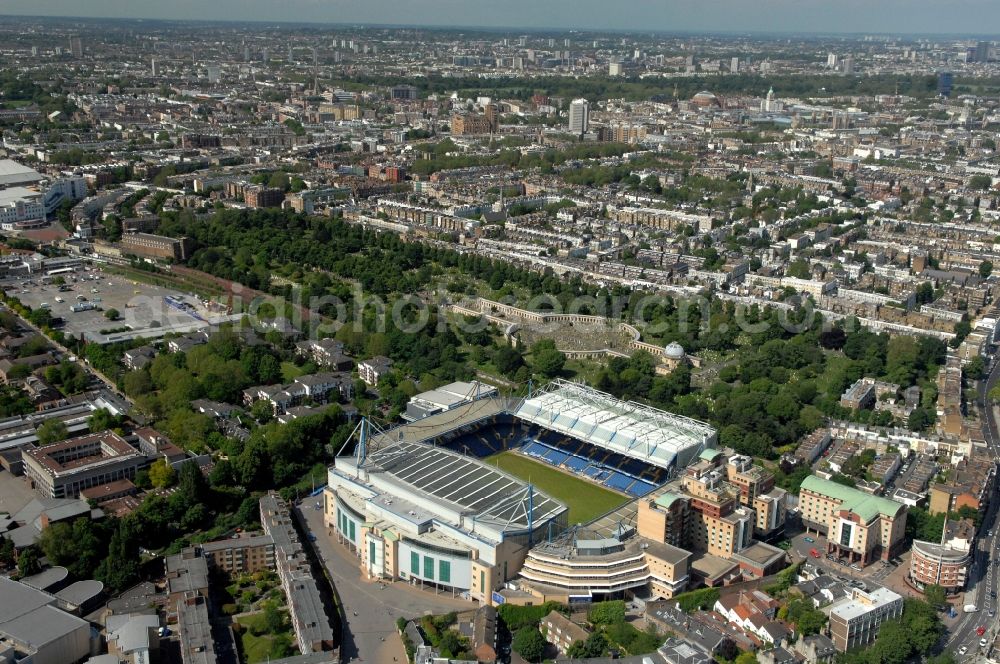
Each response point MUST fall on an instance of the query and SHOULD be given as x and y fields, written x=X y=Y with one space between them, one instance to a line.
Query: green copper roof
x=708 y=454
x=666 y=499
x=864 y=505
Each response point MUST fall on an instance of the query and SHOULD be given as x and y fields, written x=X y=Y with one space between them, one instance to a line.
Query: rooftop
x=865 y=505
x=475 y=487
x=860 y=602
x=626 y=427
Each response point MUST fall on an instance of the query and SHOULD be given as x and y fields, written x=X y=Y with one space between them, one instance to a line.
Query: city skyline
x=773 y=16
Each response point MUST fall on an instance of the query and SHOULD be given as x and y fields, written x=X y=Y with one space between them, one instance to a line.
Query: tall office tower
x=76 y=47
x=34 y=51
x=944 y=83
x=579 y=116
x=523 y=41
x=214 y=73
x=265 y=55
x=849 y=65
x=982 y=51
x=831 y=60
x=566 y=43
x=552 y=43
x=155 y=67
x=58 y=50
x=734 y=65
x=615 y=69
x=291 y=55
x=246 y=53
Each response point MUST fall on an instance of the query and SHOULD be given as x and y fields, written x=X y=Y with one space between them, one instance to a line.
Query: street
x=982 y=585
x=371 y=608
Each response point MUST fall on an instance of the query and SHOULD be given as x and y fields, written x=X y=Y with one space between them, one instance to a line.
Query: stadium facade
x=418 y=503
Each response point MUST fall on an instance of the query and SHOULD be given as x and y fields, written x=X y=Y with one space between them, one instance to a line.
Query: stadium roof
x=14 y=174
x=625 y=427
x=475 y=487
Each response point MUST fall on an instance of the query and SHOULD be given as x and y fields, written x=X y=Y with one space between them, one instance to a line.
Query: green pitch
x=586 y=501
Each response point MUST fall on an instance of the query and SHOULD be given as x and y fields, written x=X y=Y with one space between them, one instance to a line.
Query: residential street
x=370 y=608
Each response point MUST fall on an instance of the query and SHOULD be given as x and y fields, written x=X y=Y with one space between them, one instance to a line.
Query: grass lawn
x=290 y=372
x=585 y=500
x=254 y=648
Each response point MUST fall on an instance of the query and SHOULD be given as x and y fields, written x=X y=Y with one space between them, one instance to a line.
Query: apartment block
x=859 y=527
x=855 y=620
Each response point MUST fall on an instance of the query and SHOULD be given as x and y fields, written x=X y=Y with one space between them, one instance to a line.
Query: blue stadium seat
x=619 y=481
x=556 y=457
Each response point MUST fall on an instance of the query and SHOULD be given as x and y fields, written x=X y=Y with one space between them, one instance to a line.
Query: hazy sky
x=897 y=16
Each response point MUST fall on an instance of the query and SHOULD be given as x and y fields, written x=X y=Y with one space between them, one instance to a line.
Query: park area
x=586 y=501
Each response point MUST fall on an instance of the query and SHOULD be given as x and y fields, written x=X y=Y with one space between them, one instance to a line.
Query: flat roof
x=43 y=625
x=711 y=566
x=17 y=599
x=15 y=194
x=12 y=172
x=860 y=602
x=472 y=485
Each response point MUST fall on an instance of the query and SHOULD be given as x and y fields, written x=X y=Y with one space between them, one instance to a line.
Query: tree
x=8 y=555
x=985 y=269
x=935 y=596
x=595 y=645
x=101 y=420
x=161 y=474
x=976 y=368
x=508 y=360
x=920 y=418
x=942 y=658
x=28 y=563
x=529 y=643
x=807 y=619
x=980 y=182
x=79 y=546
x=607 y=613
x=137 y=383
x=52 y=431
x=274 y=620
x=191 y=485
x=120 y=569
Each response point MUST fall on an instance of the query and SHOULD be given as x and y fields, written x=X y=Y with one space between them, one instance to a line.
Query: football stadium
x=455 y=501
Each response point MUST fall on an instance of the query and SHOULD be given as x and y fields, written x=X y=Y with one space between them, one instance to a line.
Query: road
x=371 y=608
x=984 y=574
